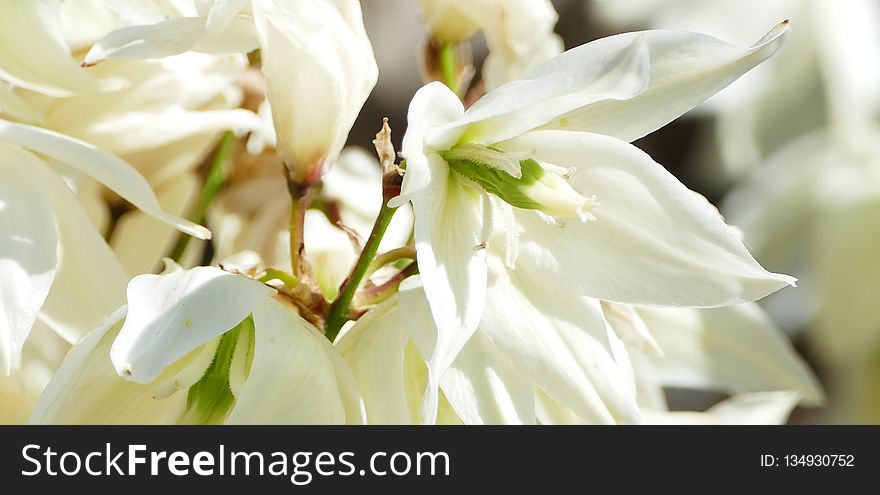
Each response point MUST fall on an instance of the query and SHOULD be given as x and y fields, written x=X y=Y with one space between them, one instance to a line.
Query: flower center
x=518 y=180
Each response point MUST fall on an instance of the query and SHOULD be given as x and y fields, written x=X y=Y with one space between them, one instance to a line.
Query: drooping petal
x=560 y=341
x=375 y=348
x=173 y=37
x=90 y=281
x=166 y=38
x=87 y=390
x=484 y=387
x=28 y=243
x=733 y=349
x=114 y=173
x=452 y=264
x=170 y=315
x=294 y=378
x=33 y=53
x=654 y=242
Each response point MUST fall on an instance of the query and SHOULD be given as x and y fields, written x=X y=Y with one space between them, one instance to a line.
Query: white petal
x=170 y=315
x=295 y=377
x=630 y=327
x=33 y=53
x=452 y=264
x=144 y=130
x=654 y=242
x=560 y=341
x=11 y=104
x=173 y=37
x=550 y=412
x=222 y=13
x=734 y=349
x=41 y=356
x=614 y=68
x=329 y=250
x=152 y=11
x=86 y=389
x=166 y=38
x=484 y=387
x=114 y=173
x=326 y=40
x=28 y=243
x=374 y=348
x=432 y=105
x=685 y=69
x=90 y=282
x=626 y=85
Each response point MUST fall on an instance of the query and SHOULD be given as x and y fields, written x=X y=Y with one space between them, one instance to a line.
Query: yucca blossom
x=540 y=170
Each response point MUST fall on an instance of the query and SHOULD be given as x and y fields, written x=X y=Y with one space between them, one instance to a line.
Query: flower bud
x=319 y=69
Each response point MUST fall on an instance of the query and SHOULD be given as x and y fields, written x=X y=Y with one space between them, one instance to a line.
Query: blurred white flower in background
x=831 y=52
x=810 y=206
x=316 y=58
x=519 y=33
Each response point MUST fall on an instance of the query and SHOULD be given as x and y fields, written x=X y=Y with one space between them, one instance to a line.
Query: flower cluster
x=518 y=261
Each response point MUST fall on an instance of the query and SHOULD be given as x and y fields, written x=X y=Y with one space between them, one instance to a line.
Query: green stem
x=388 y=257
x=274 y=274
x=217 y=176
x=338 y=314
x=449 y=66
x=370 y=296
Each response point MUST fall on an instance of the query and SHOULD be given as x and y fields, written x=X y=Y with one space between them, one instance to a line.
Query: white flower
x=162 y=117
x=567 y=359
x=519 y=32
x=34 y=54
x=523 y=170
x=316 y=57
x=57 y=266
x=525 y=342
x=202 y=346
